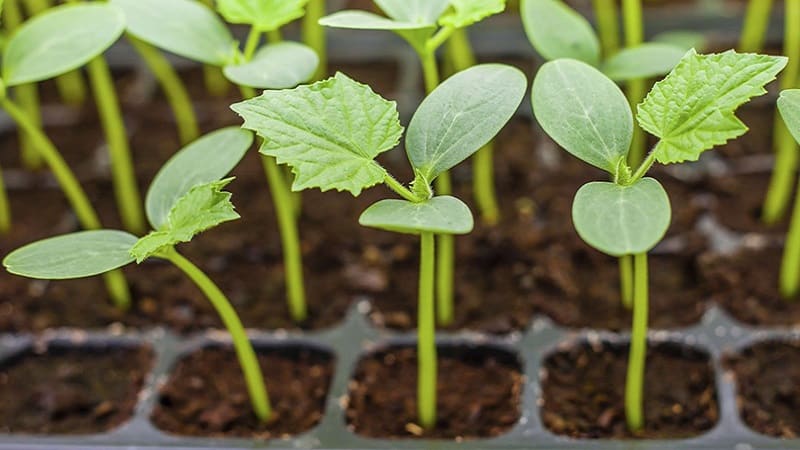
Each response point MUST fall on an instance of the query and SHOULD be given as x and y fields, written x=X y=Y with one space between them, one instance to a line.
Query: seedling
x=330 y=133
x=690 y=111
x=185 y=199
x=789 y=107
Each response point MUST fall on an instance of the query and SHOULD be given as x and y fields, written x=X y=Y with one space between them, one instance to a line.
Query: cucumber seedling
x=330 y=133
x=690 y=111
x=789 y=107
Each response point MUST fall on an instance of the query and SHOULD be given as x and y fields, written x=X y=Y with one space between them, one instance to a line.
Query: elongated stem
x=216 y=83
x=123 y=176
x=251 y=45
x=605 y=11
x=426 y=336
x=634 y=379
x=636 y=89
x=626 y=280
x=241 y=343
x=5 y=208
x=398 y=188
x=173 y=88
x=790 y=265
x=314 y=35
x=754 y=30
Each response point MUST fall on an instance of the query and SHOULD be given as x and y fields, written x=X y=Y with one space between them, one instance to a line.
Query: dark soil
x=767 y=378
x=206 y=394
x=478 y=394
x=583 y=391
x=70 y=390
x=738 y=201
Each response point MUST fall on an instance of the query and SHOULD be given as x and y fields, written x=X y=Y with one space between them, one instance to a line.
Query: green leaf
x=363 y=20
x=643 y=61
x=468 y=12
x=789 y=106
x=265 y=15
x=185 y=27
x=205 y=160
x=682 y=38
x=462 y=115
x=59 y=40
x=415 y=11
x=622 y=220
x=276 y=66
x=584 y=112
x=440 y=215
x=692 y=109
x=329 y=132
x=203 y=207
x=557 y=31
x=75 y=255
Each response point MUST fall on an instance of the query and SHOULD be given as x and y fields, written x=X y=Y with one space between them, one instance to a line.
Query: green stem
x=251 y=45
x=5 y=208
x=430 y=71
x=790 y=265
x=398 y=187
x=216 y=83
x=645 y=165
x=605 y=11
x=314 y=35
x=426 y=336
x=122 y=174
x=241 y=343
x=173 y=88
x=274 y=36
x=634 y=379
x=636 y=89
x=626 y=280
x=754 y=30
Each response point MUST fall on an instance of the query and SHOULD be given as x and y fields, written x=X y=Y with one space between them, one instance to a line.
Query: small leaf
x=692 y=109
x=276 y=66
x=462 y=115
x=622 y=220
x=205 y=160
x=584 y=112
x=789 y=106
x=265 y=15
x=468 y=12
x=59 y=40
x=643 y=61
x=415 y=11
x=362 y=20
x=557 y=31
x=329 y=132
x=75 y=255
x=151 y=245
x=440 y=215
x=185 y=27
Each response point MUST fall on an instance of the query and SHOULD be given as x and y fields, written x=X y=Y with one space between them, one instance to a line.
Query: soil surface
x=478 y=394
x=767 y=378
x=583 y=392
x=71 y=391
x=206 y=394
x=738 y=201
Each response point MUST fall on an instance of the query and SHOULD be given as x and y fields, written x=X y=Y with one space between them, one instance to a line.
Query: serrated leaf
x=692 y=109
x=276 y=66
x=461 y=115
x=440 y=215
x=329 y=132
x=151 y=245
x=789 y=106
x=265 y=15
x=643 y=61
x=414 y=11
x=75 y=255
x=557 y=31
x=584 y=112
x=467 y=12
x=363 y=20
x=59 y=40
x=622 y=220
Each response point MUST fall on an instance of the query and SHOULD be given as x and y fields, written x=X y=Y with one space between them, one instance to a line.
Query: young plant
x=690 y=111
x=789 y=107
x=185 y=199
x=330 y=133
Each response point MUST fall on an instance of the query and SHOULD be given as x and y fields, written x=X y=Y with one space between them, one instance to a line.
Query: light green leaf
x=643 y=61
x=622 y=220
x=151 y=245
x=329 y=132
x=462 y=115
x=205 y=160
x=789 y=106
x=414 y=11
x=265 y=15
x=682 y=38
x=276 y=66
x=557 y=31
x=440 y=215
x=692 y=109
x=75 y=255
x=584 y=112
x=363 y=20
x=467 y=12
x=185 y=27
x=59 y=40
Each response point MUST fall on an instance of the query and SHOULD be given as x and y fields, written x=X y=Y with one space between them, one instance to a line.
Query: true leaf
x=584 y=112
x=462 y=115
x=75 y=255
x=692 y=109
x=622 y=220
x=789 y=106
x=440 y=215
x=643 y=61
x=265 y=15
x=329 y=132
x=207 y=159
x=363 y=20
x=276 y=66
x=557 y=31
x=415 y=11
x=185 y=27
x=466 y=12
x=59 y=40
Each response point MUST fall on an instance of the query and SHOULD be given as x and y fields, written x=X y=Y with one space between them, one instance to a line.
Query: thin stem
x=215 y=81
x=645 y=165
x=438 y=39
x=790 y=265
x=430 y=71
x=5 y=208
x=314 y=35
x=634 y=379
x=632 y=21
x=426 y=336
x=241 y=343
x=636 y=89
x=399 y=188
x=274 y=36
x=754 y=30
x=626 y=280
x=605 y=11
x=122 y=174
x=250 y=46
